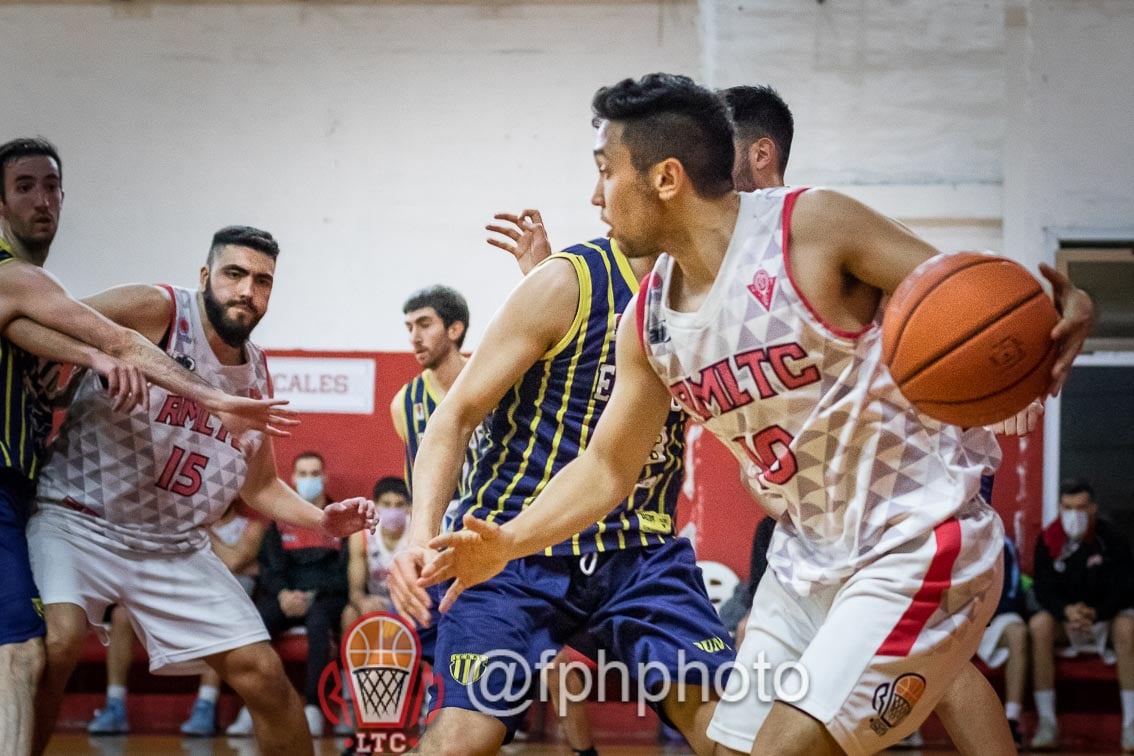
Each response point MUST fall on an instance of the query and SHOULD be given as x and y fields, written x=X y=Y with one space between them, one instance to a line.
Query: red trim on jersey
x=640 y=307
x=268 y=375
x=937 y=580
x=167 y=338
x=789 y=205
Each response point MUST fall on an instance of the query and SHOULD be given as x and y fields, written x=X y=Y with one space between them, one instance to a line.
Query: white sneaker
x=1046 y=736
x=314 y=720
x=242 y=725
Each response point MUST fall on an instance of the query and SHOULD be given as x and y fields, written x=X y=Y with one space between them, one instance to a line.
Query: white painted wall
x=376 y=140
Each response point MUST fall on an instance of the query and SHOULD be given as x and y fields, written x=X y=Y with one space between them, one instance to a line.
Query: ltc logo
x=894 y=701
x=467 y=668
x=381 y=659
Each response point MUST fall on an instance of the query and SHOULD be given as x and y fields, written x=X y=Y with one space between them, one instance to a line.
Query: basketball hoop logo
x=381 y=659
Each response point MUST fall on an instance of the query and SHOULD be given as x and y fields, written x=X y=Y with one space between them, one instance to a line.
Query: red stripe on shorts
x=928 y=597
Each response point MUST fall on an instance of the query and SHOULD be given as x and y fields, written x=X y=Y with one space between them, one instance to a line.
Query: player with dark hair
x=544 y=372
x=39 y=319
x=124 y=503
x=764 y=132
x=761 y=319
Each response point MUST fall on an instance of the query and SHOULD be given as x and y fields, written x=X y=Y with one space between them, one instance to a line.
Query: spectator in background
x=236 y=540
x=1082 y=584
x=371 y=554
x=303 y=581
x=1005 y=640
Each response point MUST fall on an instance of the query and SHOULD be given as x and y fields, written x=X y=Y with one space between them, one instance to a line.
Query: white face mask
x=1075 y=522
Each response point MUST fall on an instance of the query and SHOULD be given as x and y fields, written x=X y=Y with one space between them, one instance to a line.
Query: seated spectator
x=303 y=581
x=372 y=554
x=1082 y=585
x=1005 y=640
x=236 y=540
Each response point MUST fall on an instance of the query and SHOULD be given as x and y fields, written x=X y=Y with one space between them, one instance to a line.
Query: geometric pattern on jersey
x=24 y=378
x=153 y=482
x=546 y=419
x=811 y=411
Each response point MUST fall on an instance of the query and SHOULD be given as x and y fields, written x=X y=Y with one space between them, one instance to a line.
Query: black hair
x=1072 y=486
x=244 y=236
x=26 y=147
x=309 y=455
x=389 y=484
x=670 y=116
x=450 y=306
x=759 y=112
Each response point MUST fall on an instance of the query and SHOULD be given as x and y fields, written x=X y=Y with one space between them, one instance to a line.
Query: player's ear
x=667 y=177
x=204 y=276
x=762 y=153
x=455 y=330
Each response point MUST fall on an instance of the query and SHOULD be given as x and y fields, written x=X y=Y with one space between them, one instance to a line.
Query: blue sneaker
x=110 y=720
x=202 y=720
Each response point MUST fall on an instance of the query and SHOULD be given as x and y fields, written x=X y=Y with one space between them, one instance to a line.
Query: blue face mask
x=309 y=488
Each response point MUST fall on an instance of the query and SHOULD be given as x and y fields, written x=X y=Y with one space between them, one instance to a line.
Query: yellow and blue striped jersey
x=419 y=400
x=546 y=419
x=27 y=420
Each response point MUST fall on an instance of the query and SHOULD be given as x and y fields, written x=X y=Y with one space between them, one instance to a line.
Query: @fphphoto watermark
x=500 y=683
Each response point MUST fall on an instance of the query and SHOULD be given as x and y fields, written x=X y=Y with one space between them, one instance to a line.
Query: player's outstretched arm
x=582 y=492
x=43 y=300
x=538 y=314
x=267 y=494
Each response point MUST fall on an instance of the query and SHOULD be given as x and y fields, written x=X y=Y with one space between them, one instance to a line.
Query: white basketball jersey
x=152 y=482
x=379 y=560
x=811 y=412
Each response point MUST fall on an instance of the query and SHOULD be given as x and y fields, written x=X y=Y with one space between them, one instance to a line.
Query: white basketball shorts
x=183 y=607
x=869 y=658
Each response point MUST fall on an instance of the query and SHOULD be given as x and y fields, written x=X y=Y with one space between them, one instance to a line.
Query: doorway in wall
x=1089 y=429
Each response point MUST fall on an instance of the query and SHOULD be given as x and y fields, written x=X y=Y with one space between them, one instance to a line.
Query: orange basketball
x=967 y=338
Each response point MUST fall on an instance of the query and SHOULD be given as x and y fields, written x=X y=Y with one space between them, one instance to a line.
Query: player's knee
x=255 y=668
x=23 y=662
x=790 y=732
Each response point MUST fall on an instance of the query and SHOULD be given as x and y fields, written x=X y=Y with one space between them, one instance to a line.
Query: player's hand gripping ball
x=967 y=338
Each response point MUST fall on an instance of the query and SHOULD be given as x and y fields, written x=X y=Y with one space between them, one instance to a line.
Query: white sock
x=208 y=693
x=348 y=689
x=1045 y=704
x=1012 y=710
x=116 y=691
x=1127 y=707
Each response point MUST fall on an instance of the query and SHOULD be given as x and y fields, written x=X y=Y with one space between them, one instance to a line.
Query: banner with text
x=324 y=384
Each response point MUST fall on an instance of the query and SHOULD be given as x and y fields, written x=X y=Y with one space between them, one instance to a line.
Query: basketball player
x=31 y=197
x=764 y=129
x=761 y=320
x=123 y=504
x=544 y=372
